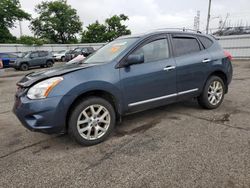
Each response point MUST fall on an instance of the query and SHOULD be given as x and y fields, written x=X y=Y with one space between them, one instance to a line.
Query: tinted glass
x=43 y=54
x=206 y=42
x=4 y=56
x=183 y=45
x=110 y=51
x=154 y=51
x=34 y=54
x=12 y=56
x=78 y=50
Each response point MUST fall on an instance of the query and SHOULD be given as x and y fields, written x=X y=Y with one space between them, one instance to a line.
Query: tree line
x=57 y=22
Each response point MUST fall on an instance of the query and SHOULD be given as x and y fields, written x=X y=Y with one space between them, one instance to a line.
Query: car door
x=153 y=82
x=34 y=59
x=192 y=64
x=43 y=56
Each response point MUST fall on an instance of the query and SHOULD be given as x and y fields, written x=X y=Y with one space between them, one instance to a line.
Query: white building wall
x=237 y=45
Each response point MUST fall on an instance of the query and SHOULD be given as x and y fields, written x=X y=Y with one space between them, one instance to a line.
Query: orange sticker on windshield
x=114 y=49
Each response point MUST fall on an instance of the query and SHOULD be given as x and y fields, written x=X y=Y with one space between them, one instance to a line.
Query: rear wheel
x=24 y=67
x=213 y=93
x=92 y=121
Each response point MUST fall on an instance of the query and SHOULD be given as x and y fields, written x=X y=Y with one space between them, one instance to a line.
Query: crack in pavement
x=108 y=155
x=28 y=146
x=216 y=122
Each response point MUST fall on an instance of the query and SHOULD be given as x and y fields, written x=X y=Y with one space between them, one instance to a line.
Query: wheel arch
x=95 y=93
x=221 y=75
x=24 y=62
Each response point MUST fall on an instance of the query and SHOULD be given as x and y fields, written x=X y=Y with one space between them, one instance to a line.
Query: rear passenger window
x=206 y=42
x=185 y=45
x=154 y=51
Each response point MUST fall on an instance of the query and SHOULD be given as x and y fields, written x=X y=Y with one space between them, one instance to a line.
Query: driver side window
x=154 y=51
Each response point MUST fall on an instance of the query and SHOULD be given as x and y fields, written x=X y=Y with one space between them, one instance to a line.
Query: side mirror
x=134 y=59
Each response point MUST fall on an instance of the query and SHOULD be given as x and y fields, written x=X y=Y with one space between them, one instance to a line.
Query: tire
x=49 y=64
x=95 y=127
x=24 y=67
x=213 y=93
x=63 y=59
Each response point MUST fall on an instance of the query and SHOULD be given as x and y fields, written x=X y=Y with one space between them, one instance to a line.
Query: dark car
x=86 y=51
x=33 y=59
x=7 y=58
x=130 y=74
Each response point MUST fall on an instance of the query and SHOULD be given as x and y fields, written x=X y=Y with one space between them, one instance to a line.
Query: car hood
x=35 y=77
x=57 y=54
x=22 y=59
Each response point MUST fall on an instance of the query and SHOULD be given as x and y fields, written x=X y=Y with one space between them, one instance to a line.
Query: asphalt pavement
x=179 y=145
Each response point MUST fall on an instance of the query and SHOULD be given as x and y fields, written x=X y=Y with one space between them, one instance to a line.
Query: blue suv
x=129 y=74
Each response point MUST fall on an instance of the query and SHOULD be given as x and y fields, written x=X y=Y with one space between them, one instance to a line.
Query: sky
x=145 y=15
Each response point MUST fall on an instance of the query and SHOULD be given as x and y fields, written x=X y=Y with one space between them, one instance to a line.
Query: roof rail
x=179 y=29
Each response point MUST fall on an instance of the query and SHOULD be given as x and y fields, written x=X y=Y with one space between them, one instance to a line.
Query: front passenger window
x=154 y=51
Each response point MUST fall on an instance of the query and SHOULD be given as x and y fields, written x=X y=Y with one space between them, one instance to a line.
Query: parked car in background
x=33 y=59
x=79 y=51
x=60 y=55
x=130 y=74
x=7 y=58
x=1 y=67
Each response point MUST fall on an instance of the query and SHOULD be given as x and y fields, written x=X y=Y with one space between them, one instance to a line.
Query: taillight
x=228 y=55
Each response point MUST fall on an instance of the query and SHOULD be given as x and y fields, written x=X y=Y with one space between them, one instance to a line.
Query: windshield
x=77 y=50
x=61 y=52
x=110 y=51
x=26 y=54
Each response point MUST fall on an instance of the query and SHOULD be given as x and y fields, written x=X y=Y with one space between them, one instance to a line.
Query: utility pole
x=208 y=16
x=20 y=27
x=197 y=21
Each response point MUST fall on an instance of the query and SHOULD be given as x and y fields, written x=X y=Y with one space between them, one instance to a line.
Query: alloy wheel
x=93 y=122
x=215 y=92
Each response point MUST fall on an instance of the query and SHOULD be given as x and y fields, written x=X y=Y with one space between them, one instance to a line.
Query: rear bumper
x=45 y=115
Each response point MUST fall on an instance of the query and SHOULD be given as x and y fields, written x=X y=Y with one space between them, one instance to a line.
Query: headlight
x=42 y=89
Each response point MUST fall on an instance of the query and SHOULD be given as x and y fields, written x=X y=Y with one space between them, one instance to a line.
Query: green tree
x=57 y=22
x=10 y=12
x=95 y=32
x=29 y=40
x=115 y=28
x=110 y=30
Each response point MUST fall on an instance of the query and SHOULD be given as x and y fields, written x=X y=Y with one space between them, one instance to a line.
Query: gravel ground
x=180 y=145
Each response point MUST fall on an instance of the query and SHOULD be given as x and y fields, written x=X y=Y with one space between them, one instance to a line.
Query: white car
x=60 y=56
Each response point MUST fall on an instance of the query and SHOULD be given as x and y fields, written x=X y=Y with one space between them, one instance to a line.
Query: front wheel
x=63 y=59
x=92 y=121
x=49 y=64
x=24 y=67
x=213 y=93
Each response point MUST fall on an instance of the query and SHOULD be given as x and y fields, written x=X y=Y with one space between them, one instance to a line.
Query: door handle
x=168 y=68
x=206 y=60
